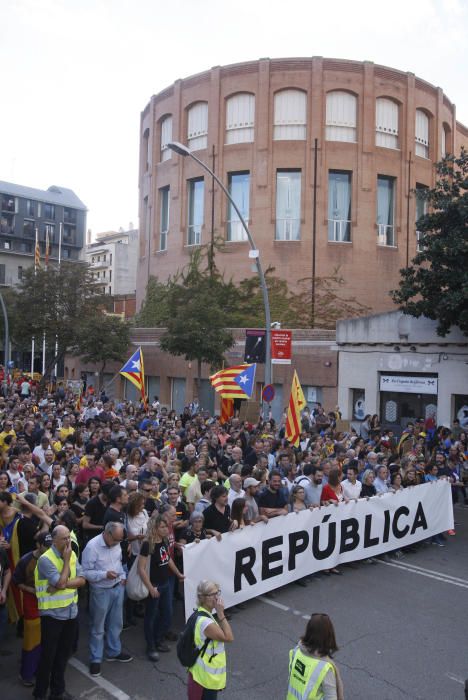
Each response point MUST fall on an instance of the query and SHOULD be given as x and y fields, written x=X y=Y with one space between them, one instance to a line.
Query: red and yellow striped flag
x=227 y=409
x=296 y=404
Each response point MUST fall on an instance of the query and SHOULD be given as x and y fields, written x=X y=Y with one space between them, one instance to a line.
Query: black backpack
x=187 y=652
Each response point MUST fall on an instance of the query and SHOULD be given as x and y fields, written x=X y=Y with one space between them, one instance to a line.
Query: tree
x=195 y=316
x=57 y=302
x=436 y=283
x=103 y=339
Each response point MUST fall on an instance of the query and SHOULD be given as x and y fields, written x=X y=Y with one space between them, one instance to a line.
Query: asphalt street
x=401 y=627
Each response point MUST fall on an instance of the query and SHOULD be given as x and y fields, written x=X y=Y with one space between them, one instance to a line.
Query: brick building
x=350 y=140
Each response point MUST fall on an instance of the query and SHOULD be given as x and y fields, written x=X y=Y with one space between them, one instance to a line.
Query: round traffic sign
x=268 y=393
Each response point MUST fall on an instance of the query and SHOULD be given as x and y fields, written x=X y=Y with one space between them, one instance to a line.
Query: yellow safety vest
x=61 y=598
x=209 y=670
x=306 y=675
x=74 y=540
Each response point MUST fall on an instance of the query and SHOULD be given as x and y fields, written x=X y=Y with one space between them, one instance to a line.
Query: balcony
x=386 y=235
x=99 y=265
x=339 y=230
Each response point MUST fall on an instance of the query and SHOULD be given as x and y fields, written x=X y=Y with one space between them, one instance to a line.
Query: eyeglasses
x=208 y=595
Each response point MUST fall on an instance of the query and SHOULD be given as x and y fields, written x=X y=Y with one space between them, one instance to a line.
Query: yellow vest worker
x=209 y=670
x=306 y=675
x=61 y=598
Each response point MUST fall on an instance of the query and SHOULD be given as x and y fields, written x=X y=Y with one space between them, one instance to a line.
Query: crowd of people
x=91 y=493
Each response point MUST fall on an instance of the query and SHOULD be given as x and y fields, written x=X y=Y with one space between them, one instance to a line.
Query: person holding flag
x=233 y=383
x=134 y=371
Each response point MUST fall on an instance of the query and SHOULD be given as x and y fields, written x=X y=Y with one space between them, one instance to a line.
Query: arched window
x=386 y=123
x=197 y=126
x=341 y=116
x=290 y=120
x=240 y=118
x=166 y=137
x=422 y=134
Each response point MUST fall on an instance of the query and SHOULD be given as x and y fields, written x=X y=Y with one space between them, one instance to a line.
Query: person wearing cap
x=23 y=578
x=252 y=514
x=57 y=577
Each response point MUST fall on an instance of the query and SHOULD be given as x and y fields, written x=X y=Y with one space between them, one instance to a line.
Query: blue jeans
x=158 y=616
x=105 y=611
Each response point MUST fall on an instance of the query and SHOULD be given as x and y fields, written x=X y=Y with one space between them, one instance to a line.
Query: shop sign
x=407 y=384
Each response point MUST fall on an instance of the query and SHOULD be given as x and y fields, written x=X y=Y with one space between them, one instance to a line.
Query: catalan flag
x=227 y=409
x=37 y=252
x=134 y=371
x=235 y=382
x=296 y=404
x=47 y=248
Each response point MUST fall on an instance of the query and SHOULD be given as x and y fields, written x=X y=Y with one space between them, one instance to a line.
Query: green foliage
x=436 y=283
x=103 y=338
x=58 y=302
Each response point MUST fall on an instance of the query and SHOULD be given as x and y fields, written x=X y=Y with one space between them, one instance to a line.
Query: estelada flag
x=296 y=404
x=134 y=371
x=235 y=382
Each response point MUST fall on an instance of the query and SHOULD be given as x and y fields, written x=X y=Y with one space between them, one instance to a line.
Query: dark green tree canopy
x=436 y=283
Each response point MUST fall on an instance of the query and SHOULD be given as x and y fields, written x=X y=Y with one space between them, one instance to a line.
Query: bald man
x=57 y=577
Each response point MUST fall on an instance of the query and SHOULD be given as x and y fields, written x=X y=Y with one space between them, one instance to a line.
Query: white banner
x=406 y=384
x=259 y=558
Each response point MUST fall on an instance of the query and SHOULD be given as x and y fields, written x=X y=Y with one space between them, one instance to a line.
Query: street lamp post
x=183 y=150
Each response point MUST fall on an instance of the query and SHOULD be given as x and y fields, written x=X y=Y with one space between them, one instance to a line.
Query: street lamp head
x=179 y=148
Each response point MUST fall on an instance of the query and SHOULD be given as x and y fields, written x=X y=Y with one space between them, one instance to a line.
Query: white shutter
x=443 y=143
x=166 y=137
x=422 y=134
x=341 y=116
x=197 y=132
x=290 y=120
x=240 y=118
x=386 y=123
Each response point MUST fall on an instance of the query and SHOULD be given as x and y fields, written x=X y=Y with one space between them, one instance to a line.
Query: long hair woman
x=312 y=671
x=158 y=608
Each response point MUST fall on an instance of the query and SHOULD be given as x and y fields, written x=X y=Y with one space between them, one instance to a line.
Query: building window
x=49 y=211
x=339 y=206
x=110 y=290
x=239 y=189
x=288 y=205
x=196 y=192
x=110 y=258
x=92 y=260
x=385 y=210
x=197 y=131
x=30 y=208
x=386 y=123
x=240 y=118
x=29 y=229
x=103 y=274
x=25 y=247
x=290 y=120
x=166 y=137
x=422 y=134
x=99 y=258
x=104 y=257
x=110 y=275
x=8 y=204
x=445 y=145
x=20 y=273
x=2 y=274
x=341 y=116
x=7 y=245
x=69 y=215
x=164 y=193
x=421 y=210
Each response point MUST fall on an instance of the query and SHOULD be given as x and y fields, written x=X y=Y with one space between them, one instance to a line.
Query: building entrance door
x=398 y=409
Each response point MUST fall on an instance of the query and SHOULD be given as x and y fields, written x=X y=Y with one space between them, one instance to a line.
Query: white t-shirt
x=137 y=526
x=351 y=490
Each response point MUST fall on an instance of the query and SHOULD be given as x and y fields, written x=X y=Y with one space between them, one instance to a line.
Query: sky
x=76 y=74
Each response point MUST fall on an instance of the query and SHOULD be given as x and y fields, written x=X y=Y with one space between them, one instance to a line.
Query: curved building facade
x=323 y=157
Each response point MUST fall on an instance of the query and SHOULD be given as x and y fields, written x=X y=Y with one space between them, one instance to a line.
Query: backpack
x=187 y=652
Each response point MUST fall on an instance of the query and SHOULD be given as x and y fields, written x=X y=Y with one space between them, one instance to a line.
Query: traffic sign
x=268 y=393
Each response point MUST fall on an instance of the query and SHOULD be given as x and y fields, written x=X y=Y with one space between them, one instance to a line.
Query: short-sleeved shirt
x=214 y=520
x=268 y=499
x=95 y=510
x=159 y=562
x=186 y=480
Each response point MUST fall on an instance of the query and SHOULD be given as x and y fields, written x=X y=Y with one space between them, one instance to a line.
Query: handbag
x=136 y=589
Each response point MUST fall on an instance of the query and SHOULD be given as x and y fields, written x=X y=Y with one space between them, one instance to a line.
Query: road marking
x=426 y=572
x=268 y=601
x=99 y=680
x=431 y=571
x=455 y=678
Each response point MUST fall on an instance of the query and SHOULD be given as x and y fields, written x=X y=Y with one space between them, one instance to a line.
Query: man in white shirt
x=351 y=486
x=236 y=490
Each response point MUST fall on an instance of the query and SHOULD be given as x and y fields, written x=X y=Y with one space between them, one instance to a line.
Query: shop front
x=405 y=398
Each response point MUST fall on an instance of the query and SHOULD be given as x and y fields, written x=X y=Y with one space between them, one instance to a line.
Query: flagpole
x=33 y=340
x=46 y=260
x=59 y=261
